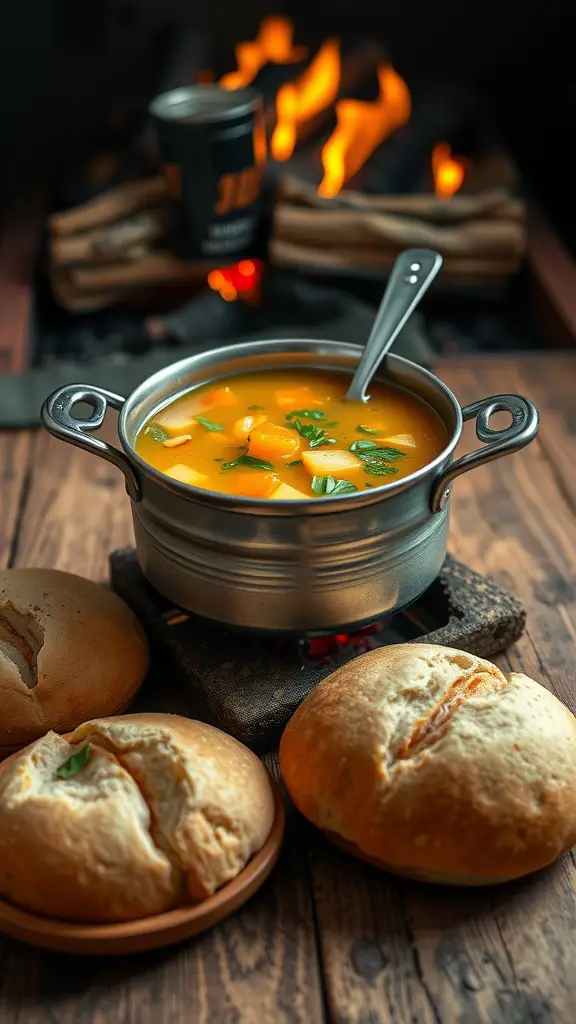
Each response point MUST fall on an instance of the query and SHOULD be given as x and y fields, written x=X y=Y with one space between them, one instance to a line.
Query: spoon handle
x=411 y=276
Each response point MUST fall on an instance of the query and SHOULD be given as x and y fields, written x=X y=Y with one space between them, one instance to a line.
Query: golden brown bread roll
x=161 y=809
x=70 y=650
x=433 y=764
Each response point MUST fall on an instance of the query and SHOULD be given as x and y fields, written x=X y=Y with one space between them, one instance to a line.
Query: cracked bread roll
x=431 y=763
x=130 y=817
x=70 y=649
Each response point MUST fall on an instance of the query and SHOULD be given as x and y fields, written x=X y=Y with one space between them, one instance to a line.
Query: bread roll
x=433 y=764
x=70 y=650
x=163 y=810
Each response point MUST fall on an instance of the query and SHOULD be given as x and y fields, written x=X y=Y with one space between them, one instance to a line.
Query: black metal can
x=212 y=142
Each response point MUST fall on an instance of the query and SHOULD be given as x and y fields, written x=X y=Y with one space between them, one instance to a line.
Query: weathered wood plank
x=261 y=964
x=15 y=459
x=258 y=966
x=77 y=511
x=395 y=952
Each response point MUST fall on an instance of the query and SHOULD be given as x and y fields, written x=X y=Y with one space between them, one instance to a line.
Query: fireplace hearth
x=380 y=156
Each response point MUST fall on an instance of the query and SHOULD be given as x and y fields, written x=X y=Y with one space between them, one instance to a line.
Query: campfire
x=362 y=165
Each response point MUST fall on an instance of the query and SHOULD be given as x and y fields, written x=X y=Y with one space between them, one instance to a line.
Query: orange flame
x=448 y=171
x=300 y=101
x=361 y=128
x=273 y=45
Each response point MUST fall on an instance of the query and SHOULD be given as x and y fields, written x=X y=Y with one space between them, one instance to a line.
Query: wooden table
x=328 y=938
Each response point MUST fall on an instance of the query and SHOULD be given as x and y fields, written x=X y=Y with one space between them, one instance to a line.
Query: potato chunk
x=332 y=462
x=186 y=475
x=242 y=427
x=286 y=493
x=271 y=442
x=177 y=423
x=397 y=441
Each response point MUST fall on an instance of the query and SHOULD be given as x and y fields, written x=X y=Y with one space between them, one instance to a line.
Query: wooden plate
x=149 y=932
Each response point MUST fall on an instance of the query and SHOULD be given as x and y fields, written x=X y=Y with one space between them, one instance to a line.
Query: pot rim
x=259 y=505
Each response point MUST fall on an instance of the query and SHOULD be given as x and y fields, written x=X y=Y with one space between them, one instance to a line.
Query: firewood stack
x=100 y=253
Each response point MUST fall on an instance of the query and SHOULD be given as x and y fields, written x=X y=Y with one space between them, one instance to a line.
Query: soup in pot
x=289 y=435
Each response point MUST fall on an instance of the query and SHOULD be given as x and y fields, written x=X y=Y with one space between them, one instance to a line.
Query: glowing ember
x=240 y=279
x=361 y=128
x=299 y=101
x=273 y=45
x=447 y=171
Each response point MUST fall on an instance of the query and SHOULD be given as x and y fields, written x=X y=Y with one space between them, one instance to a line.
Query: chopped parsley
x=377 y=458
x=247 y=460
x=208 y=424
x=306 y=414
x=363 y=429
x=330 y=485
x=313 y=435
x=156 y=432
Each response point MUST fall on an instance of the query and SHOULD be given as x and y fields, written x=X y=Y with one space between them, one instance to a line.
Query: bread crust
x=165 y=809
x=432 y=763
x=70 y=649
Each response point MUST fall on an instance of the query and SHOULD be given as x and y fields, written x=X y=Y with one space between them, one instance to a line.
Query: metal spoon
x=412 y=275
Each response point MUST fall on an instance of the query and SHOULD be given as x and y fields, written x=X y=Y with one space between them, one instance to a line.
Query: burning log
x=455 y=269
x=495 y=202
x=116 y=204
x=128 y=240
x=372 y=229
x=103 y=251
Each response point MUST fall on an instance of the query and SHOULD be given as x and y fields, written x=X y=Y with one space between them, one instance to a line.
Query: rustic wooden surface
x=328 y=938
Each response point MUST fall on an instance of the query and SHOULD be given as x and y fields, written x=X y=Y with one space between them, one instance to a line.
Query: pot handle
x=512 y=438
x=56 y=416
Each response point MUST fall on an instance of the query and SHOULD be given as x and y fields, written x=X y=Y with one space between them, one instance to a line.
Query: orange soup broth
x=271 y=421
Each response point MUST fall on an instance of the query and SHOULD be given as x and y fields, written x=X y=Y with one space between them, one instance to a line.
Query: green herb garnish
x=313 y=435
x=376 y=468
x=74 y=764
x=376 y=458
x=208 y=424
x=363 y=429
x=252 y=408
x=156 y=432
x=296 y=462
x=306 y=414
x=329 y=485
x=247 y=460
x=371 y=450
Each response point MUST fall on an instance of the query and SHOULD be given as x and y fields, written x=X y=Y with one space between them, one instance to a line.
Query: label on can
x=214 y=177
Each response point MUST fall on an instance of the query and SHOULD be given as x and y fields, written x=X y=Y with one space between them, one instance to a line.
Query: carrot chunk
x=296 y=398
x=270 y=442
x=220 y=396
x=253 y=484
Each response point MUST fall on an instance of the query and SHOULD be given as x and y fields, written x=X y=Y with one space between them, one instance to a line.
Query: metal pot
x=289 y=566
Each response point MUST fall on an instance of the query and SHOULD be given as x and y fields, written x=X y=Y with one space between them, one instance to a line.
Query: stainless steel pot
x=288 y=566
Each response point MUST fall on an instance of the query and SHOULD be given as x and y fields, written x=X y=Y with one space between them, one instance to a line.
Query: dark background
x=73 y=70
